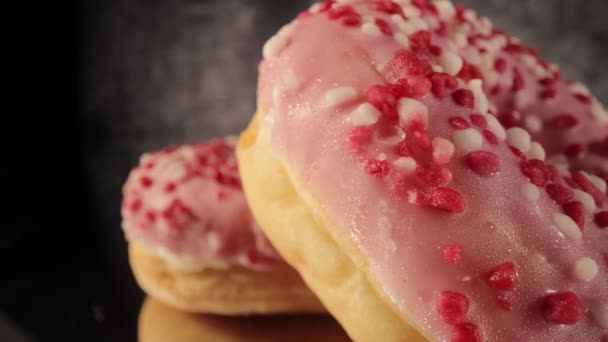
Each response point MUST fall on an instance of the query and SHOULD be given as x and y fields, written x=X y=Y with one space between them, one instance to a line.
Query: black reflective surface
x=148 y=74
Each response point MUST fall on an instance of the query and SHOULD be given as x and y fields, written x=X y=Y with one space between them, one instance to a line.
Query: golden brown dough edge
x=328 y=262
x=232 y=291
x=160 y=323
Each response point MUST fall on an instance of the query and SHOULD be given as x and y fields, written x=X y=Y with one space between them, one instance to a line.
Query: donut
x=193 y=242
x=159 y=323
x=415 y=213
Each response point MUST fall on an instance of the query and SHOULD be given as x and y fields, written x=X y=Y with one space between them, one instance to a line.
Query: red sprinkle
x=342 y=11
x=500 y=65
x=442 y=84
x=150 y=216
x=384 y=27
x=519 y=154
x=547 y=94
x=423 y=139
x=402 y=149
x=452 y=253
x=387 y=7
x=583 y=98
x=452 y=306
x=464 y=97
x=169 y=187
x=535 y=174
x=177 y=214
x=563 y=308
x=495 y=90
x=458 y=123
x=559 y=193
x=565 y=120
x=504 y=302
x=420 y=40
x=360 y=135
x=406 y=63
x=377 y=168
x=574 y=150
x=479 y=121
x=490 y=137
x=420 y=85
x=381 y=98
x=576 y=211
x=518 y=81
x=601 y=219
x=502 y=277
x=466 y=332
x=440 y=198
x=133 y=206
x=469 y=72
x=509 y=119
x=433 y=175
x=146 y=182
x=435 y=50
x=585 y=184
x=483 y=163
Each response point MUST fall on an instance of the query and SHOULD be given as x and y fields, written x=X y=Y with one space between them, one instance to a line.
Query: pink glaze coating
x=468 y=231
x=186 y=202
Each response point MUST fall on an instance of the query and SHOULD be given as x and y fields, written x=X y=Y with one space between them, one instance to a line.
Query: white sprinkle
x=315 y=8
x=586 y=199
x=337 y=96
x=418 y=24
x=290 y=80
x=496 y=127
x=599 y=183
x=579 y=88
x=410 y=11
x=397 y=136
x=382 y=156
x=481 y=101
x=402 y=39
x=274 y=46
x=443 y=150
x=567 y=226
x=600 y=315
x=533 y=123
x=466 y=278
x=214 y=241
x=186 y=152
x=523 y=99
x=412 y=113
x=598 y=112
x=536 y=151
x=172 y=170
x=445 y=8
x=469 y=15
x=437 y=68
x=460 y=40
x=365 y=114
x=467 y=140
x=371 y=29
x=519 y=138
x=528 y=60
x=406 y=164
x=530 y=192
x=145 y=158
x=585 y=269
x=451 y=62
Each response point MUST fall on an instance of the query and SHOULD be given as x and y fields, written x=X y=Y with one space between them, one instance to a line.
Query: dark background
x=106 y=80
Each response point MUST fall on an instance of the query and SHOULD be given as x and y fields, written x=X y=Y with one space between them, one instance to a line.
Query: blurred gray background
x=158 y=72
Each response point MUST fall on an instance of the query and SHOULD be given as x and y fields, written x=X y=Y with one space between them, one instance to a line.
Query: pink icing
x=450 y=207
x=188 y=202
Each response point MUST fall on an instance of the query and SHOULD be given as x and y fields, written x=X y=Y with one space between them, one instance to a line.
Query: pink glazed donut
x=422 y=156
x=193 y=241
